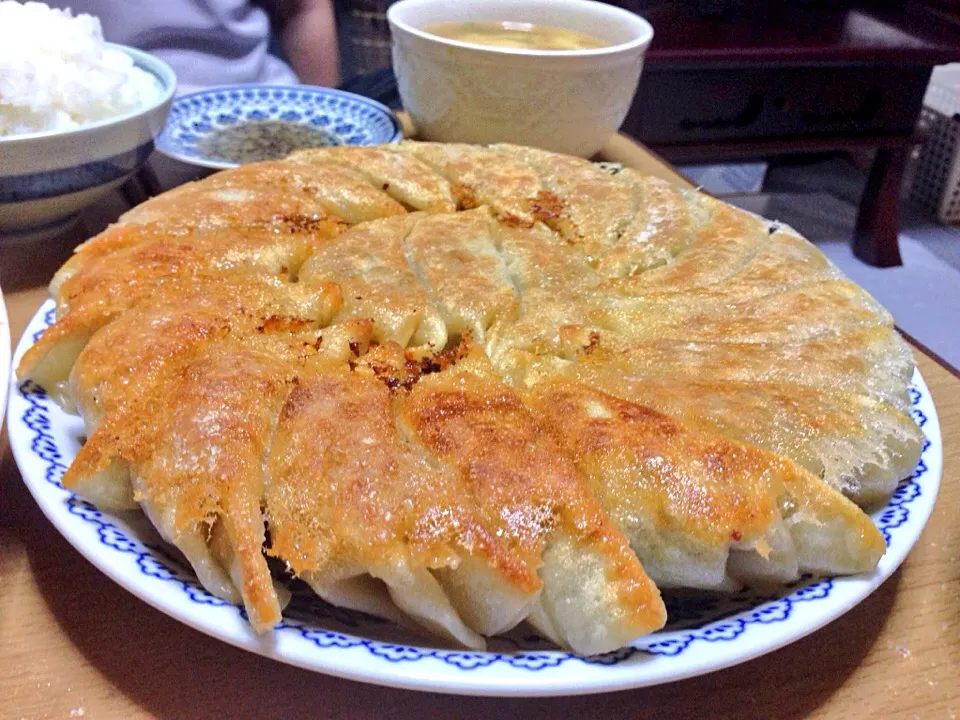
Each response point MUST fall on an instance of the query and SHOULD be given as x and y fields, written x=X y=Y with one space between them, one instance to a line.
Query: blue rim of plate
x=346 y=118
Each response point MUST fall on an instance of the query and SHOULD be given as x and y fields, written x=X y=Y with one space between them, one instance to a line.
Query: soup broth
x=529 y=36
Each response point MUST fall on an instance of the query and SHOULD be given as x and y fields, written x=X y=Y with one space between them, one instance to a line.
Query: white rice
x=56 y=72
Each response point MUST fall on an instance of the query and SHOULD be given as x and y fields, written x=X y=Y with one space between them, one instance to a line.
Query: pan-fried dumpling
x=463 y=388
x=701 y=510
x=724 y=240
x=595 y=595
x=369 y=263
x=662 y=226
x=594 y=207
x=479 y=176
x=400 y=175
x=136 y=356
x=371 y=521
x=859 y=445
x=456 y=258
x=874 y=361
x=785 y=260
x=200 y=207
x=50 y=359
x=808 y=311
x=269 y=191
x=201 y=481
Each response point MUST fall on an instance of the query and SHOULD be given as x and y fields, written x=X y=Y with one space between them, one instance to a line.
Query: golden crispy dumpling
x=352 y=508
x=490 y=410
x=859 y=445
x=724 y=240
x=400 y=175
x=365 y=511
x=594 y=208
x=701 y=510
x=252 y=269
x=661 y=227
x=130 y=362
x=479 y=176
x=804 y=312
x=370 y=265
x=269 y=191
x=198 y=473
x=874 y=361
x=456 y=258
x=595 y=595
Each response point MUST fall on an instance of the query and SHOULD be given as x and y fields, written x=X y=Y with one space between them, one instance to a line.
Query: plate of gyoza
x=481 y=420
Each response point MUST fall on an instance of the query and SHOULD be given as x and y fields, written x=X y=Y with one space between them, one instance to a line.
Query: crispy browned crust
x=539 y=350
x=522 y=481
x=701 y=485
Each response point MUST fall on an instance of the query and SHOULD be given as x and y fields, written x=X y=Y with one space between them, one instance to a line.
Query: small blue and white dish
x=46 y=178
x=225 y=126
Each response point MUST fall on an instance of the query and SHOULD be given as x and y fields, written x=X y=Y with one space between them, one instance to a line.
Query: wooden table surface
x=74 y=644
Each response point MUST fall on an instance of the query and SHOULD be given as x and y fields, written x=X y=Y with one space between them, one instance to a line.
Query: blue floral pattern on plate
x=322 y=116
x=696 y=619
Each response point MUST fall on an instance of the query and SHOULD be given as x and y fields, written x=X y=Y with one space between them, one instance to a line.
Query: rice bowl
x=47 y=177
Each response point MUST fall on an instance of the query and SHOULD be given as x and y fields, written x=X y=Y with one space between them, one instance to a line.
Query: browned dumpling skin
x=347 y=498
x=454 y=384
x=128 y=274
x=202 y=482
x=874 y=361
x=725 y=239
x=269 y=192
x=786 y=260
x=250 y=267
x=530 y=491
x=341 y=191
x=187 y=443
x=781 y=260
x=860 y=446
x=479 y=176
x=400 y=175
x=564 y=324
x=134 y=357
x=662 y=227
x=807 y=311
x=124 y=236
x=370 y=265
x=201 y=207
x=699 y=509
x=188 y=450
x=597 y=206
x=457 y=259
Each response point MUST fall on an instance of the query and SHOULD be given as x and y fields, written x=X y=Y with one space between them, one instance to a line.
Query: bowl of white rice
x=78 y=115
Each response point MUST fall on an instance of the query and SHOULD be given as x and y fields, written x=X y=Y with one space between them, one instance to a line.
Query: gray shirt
x=206 y=42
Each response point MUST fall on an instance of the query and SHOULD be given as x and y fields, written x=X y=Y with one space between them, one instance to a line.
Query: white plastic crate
x=933 y=177
x=729 y=179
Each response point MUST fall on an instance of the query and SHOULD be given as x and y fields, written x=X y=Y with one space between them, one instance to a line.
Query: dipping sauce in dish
x=528 y=36
x=261 y=140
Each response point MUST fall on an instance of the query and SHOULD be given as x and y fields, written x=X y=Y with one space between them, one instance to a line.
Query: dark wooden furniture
x=777 y=76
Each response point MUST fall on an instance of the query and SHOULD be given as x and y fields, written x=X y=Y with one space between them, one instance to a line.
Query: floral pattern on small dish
x=223 y=127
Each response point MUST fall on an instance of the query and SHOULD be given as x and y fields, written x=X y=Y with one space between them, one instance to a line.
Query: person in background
x=225 y=42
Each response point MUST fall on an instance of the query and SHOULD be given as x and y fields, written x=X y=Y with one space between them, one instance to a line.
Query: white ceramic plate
x=706 y=632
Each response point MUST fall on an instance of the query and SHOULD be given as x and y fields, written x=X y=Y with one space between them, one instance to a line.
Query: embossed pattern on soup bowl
x=566 y=101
